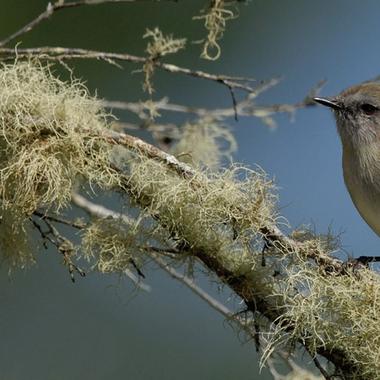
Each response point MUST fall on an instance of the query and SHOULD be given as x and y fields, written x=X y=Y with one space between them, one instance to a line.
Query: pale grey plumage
x=357 y=113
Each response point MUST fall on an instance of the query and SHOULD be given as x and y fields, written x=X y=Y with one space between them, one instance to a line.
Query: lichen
x=221 y=217
x=330 y=313
x=49 y=138
x=215 y=19
x=15 y=243
x=115 y=245
x=158 y=46
x=205 y=143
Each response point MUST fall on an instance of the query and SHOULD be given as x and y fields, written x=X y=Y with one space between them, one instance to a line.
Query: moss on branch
x=53 y=134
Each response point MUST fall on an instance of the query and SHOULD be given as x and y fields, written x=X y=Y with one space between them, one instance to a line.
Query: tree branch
x=249 y=327
x=61 y=54
x=242 y=284
x=272 y=233
x=61 y=5
x=243 y=108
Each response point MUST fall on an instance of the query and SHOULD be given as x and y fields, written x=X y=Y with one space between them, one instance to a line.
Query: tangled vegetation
x=49 y=137
x=322 y=310
x=158 y=46
x=205 y=144
x=49 y=142
x=215 y=18
x=54 y=135
x=56 y=140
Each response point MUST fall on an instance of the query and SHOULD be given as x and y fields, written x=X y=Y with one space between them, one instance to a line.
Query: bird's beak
x=328 y=102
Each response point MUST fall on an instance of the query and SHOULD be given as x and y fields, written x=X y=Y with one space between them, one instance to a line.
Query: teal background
x=100 y=327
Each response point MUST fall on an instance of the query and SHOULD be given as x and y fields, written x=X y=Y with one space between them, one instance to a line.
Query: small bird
x=357 y=114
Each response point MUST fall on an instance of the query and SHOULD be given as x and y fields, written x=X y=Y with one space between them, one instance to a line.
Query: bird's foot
x=363 y=261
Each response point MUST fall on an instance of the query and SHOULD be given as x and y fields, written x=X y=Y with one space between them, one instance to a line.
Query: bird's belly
x=367 y=201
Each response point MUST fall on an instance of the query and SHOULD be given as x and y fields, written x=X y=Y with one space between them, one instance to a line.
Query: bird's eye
x=368 y=109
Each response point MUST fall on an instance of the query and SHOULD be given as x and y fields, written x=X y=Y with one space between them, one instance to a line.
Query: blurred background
x=100 y=327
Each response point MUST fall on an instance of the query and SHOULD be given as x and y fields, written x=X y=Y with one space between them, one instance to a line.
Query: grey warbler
x=357 y=114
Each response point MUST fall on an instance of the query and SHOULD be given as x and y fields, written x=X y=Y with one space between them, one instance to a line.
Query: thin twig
x=71 y=223
x=190 y=283
x=234 y=103
x=101 y=211
x=97 y=210
x=248 y=326
x=59 y=6
x=150 y=151
x=243 y=108
x=271 y=233
x=61 y=54
x=66 y=248
x=253 y=302
x=81 y=202
x=63 y=245
x=136 y=280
